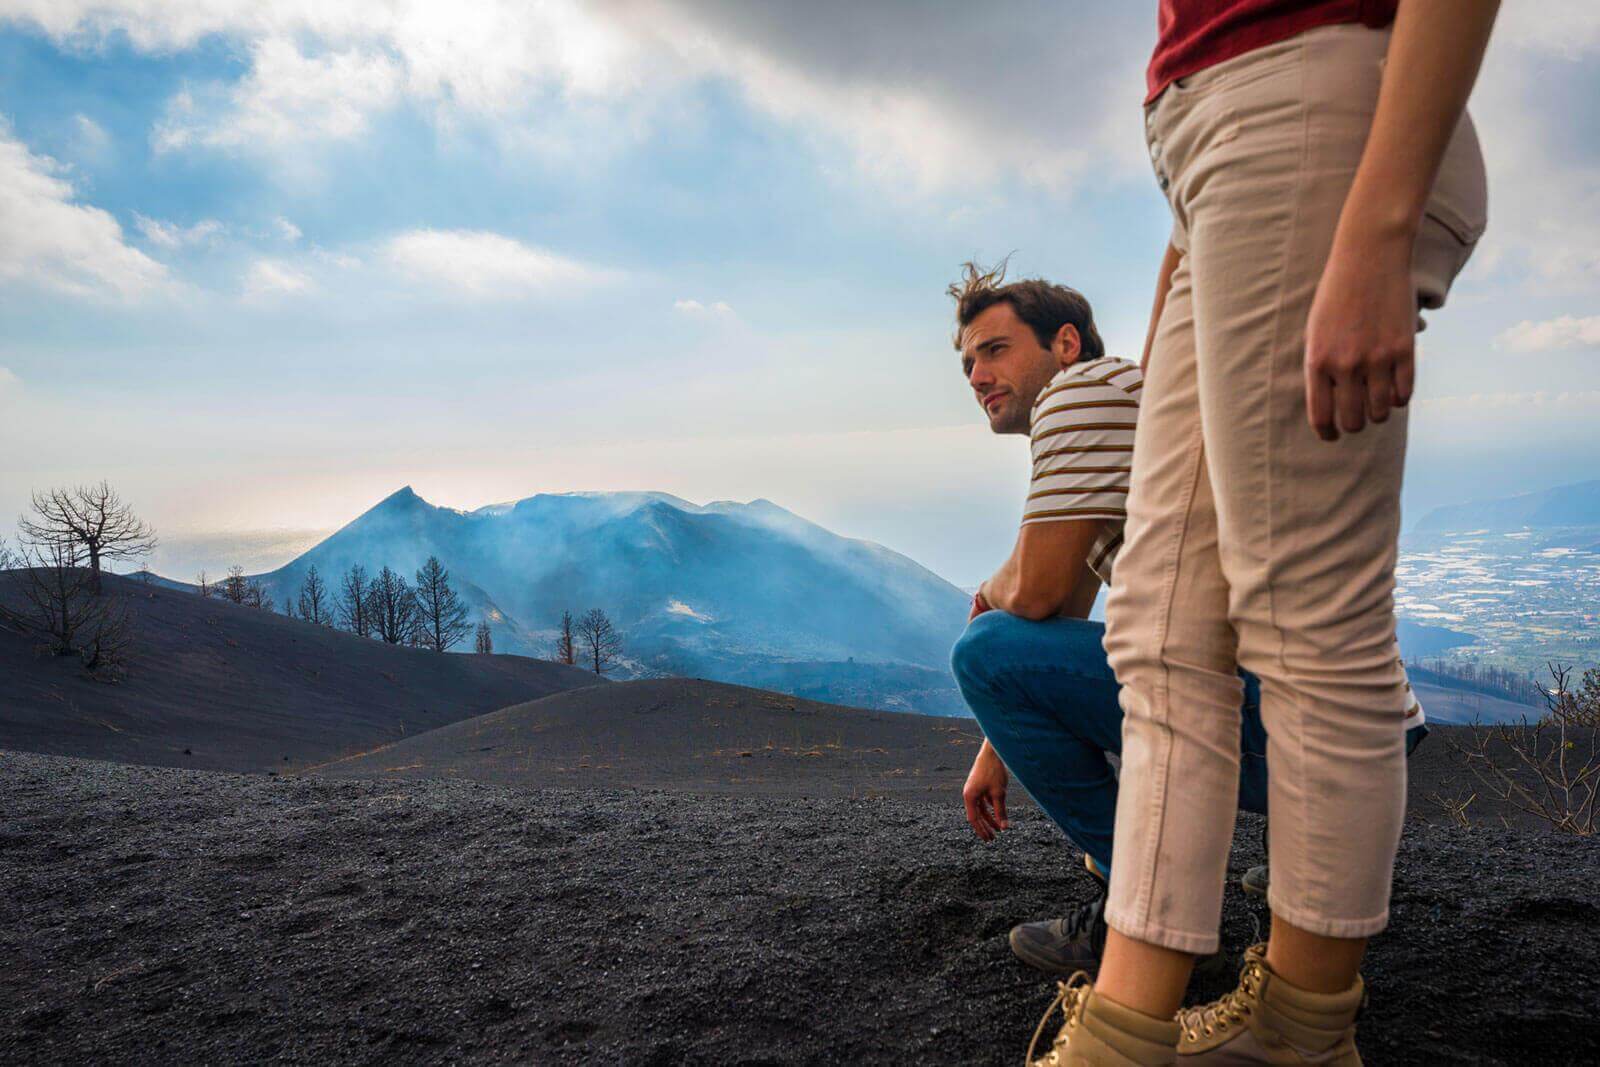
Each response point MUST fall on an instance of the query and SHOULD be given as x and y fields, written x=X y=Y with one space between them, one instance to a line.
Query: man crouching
x=1031 y=666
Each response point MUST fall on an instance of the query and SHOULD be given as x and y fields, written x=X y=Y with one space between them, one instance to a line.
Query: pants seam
x=1143 y=898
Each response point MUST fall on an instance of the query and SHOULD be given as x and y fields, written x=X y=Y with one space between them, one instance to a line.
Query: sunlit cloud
x=903 y=100
x=1552 y=334
x=172 y=235
x=270 y=277
x=49 y=238
x=479 y=263
x=288 y=97
x=715 y=309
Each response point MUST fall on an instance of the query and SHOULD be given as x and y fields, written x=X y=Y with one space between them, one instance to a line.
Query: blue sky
x=261 y=264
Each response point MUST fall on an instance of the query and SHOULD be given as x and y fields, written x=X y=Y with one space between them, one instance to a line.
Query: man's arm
x=1045 y=569
x=1361 y=334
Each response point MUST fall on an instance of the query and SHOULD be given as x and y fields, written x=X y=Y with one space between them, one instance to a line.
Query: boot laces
x=1081 y=920
x=1231 y=1009
x=1070 y=996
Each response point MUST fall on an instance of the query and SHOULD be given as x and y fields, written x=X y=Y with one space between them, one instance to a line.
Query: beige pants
x=1250 y=542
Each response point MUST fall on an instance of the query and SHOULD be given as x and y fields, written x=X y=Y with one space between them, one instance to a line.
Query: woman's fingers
x=1350 y=402
x=1319 y=402
x=1380 y=395
x=1405 y=378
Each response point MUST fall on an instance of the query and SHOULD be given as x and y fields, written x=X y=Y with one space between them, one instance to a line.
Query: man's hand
x=985 y=794
x=1360 y=338
x=979 y=606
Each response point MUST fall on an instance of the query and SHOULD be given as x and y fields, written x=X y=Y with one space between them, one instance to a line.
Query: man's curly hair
x=1044 y=306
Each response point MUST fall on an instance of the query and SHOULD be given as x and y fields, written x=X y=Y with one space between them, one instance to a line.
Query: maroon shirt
x=1196 y=34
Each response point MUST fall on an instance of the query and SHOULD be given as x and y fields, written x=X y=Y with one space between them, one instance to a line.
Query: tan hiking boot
x=1267 y=1020
x=1097 y=1032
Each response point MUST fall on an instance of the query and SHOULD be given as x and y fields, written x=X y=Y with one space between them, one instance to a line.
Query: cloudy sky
x=262 y=263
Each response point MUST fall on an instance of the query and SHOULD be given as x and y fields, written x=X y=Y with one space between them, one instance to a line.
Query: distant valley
x=1519 y=576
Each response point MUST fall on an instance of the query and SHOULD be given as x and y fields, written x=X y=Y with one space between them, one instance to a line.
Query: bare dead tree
x=393 y=606
x=483 y=638
x=256 y=596
x=203 y=585
x=56 y=592
x=235 y=587
x=1550 y=768
x=93 y=517
x=566 y=648
x=60 y=605
x=106 y=641
x=441 y=617
x=315 y=602
x=352 y=602
x=1575 y=704
x=599 y=641
x=238 y=589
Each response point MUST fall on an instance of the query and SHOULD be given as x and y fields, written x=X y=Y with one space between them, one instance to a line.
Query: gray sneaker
x=1075 y=942
x=1254 y=882
x=1061 y=946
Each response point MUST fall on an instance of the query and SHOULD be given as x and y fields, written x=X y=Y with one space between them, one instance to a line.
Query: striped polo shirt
x=1081 y=434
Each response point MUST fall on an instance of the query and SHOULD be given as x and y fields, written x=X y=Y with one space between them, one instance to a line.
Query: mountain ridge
x=698 y=589
x=1574 y=504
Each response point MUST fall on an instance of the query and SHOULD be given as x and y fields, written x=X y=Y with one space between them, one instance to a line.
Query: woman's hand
x=985 y=793
x=1360 y=338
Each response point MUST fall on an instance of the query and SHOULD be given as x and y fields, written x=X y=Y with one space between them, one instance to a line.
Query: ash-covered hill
x=219 y=686
x=694 y=736
x=691 y=735
x=739 y=592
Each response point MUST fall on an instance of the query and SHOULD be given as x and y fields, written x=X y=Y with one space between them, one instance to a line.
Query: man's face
x=1006 y=366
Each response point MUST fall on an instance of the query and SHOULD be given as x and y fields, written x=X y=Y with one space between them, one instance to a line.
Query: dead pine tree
x=94 y=518
x=599 y=641
x=352 y=604
x=203 y=585
x=483 y=638
x=315 y=603
x=393 y=606
x=235 y=587
x=441 y=617
x=566 y=647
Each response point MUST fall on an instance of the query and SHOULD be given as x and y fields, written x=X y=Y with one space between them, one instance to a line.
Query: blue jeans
x=1047 y=700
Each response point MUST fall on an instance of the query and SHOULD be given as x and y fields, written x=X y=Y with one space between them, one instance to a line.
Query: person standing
x=1325 y=184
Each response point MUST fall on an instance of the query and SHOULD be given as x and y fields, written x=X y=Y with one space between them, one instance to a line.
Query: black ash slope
x=242 y=689
x=687 y=734
x=156 y=915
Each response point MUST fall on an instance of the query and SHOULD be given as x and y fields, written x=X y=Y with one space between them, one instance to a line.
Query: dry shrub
x=1549 y=769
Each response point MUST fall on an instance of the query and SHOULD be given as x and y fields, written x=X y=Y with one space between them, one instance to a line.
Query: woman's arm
x=1360 y=336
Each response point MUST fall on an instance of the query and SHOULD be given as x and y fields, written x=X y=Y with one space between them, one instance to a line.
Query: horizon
x=263 y=264
x=266 y=550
